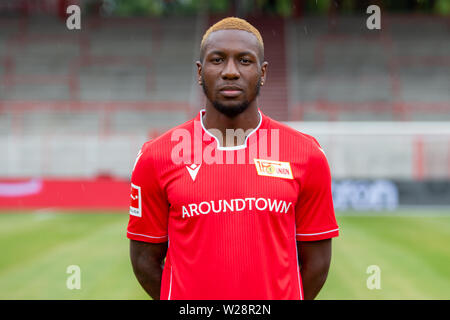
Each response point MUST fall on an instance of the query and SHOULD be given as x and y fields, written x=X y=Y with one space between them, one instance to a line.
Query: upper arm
x=314 y=212
x=316 y=253
x=149 y=207
x=154 y=252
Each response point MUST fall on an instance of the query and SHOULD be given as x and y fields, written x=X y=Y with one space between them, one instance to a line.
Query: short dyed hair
x=235 y=24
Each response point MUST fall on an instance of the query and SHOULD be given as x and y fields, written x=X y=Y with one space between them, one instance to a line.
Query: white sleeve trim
x=314 y=234
x=143 y=235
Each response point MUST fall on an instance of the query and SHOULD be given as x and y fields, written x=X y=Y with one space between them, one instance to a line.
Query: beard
x=233 y=111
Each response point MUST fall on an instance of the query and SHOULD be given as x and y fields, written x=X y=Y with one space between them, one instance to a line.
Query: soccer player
x=246 y=217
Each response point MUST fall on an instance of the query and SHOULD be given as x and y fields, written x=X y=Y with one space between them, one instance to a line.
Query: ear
x=264 y=71
x=199 y=71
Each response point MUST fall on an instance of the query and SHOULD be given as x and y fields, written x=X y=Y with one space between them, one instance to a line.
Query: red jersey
x=231 y=215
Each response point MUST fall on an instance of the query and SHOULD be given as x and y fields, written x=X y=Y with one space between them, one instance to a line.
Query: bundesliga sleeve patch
x=135 y=202
x=272 y=168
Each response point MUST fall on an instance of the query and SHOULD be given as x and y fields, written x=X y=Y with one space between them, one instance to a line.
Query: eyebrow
x=239 y=54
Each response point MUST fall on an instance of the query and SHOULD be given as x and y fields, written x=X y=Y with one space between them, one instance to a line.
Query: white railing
x=68 y=155
x=394 y=150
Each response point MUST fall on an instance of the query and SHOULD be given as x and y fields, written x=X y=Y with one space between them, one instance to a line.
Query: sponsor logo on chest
x=237 y=205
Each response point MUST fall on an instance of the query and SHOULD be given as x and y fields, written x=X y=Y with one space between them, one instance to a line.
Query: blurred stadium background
x=76 y=106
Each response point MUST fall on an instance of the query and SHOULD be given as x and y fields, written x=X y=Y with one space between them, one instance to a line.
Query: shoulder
x=305 y=152
x=161 y=145
x=297 y=141
x=157 y=152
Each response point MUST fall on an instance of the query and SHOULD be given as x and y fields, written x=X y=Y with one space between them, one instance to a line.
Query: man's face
x=231 y=71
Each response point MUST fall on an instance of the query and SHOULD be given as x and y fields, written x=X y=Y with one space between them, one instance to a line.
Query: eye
x=217 y=60
x=245 y=61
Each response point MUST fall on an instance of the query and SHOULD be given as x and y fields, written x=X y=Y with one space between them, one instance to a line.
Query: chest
x=232 y=184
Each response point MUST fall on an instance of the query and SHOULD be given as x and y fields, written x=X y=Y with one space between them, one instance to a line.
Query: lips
x=230 y=91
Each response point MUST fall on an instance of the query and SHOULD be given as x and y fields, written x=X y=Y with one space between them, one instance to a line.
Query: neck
x=231 y=132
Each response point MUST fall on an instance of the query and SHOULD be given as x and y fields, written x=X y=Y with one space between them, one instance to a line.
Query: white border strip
x=143 y=235
x=298 y=271
x=170 y=285
x=314 y=234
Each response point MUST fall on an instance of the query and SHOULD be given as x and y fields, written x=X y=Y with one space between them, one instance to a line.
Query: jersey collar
x=242 y=146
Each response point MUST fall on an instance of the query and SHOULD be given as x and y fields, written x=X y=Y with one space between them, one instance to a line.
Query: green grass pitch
x=411 y=250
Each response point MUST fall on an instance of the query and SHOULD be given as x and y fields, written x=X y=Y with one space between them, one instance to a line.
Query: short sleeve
x=314 y=212
x=149 y=208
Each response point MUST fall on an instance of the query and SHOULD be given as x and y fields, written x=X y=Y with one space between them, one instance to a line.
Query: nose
x=230 y=72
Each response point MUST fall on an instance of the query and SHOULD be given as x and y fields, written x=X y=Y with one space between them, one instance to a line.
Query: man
x=235 y=222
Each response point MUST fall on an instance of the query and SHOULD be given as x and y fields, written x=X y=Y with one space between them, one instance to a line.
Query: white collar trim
x=239 y=147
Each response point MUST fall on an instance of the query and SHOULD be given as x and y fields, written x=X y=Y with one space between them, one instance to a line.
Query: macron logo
x=193 y=170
